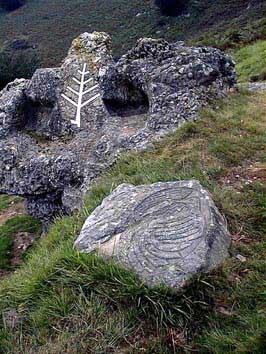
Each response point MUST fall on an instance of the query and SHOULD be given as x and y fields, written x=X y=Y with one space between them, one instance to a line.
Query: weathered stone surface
x=257 y=86
x=43 y=112
x=173 y=80
x=60 y=129
x=165 y=232
x=12 y=107
x=94 y=50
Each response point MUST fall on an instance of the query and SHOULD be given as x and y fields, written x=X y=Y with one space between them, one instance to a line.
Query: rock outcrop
x=60 y=129
x=165 y=232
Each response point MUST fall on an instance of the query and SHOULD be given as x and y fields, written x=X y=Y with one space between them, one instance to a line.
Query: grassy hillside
x=52 y=24
x=61 y=301
x=251 y=62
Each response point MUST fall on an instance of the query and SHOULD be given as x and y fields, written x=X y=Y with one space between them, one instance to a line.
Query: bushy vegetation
x=67 y=302
x=11 y=5
x=18 y=59
x=207 y=22
x=170 y=7
x=235 y=36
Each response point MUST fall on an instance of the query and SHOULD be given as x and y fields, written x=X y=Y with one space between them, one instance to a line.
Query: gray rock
x=171 y=81
x=43 y=112
x=12 y=107
x=93 y=50
x=43 y=87
x=50 y=159
x=165 y=232
x=257 y=86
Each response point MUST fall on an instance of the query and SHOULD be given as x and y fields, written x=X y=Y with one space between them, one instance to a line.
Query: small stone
x=232 y=90
x=241 y=258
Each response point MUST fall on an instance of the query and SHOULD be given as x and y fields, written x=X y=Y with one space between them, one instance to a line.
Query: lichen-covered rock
x=12 y=107
x=60 y=129
x=165 y=232
x=91 y=52
x=174 y=80
x=43 y=112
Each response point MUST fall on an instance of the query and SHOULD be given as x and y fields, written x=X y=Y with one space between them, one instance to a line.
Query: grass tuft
x=251 y=62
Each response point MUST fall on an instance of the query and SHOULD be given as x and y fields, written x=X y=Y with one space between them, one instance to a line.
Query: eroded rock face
x=165 y=232
x=12 y=107
x=60 y=129
x=174 y=81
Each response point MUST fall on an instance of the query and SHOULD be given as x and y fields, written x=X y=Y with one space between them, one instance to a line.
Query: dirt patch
x=21 y=242
x=239 y=176
x=4 y=273
x=14 y=210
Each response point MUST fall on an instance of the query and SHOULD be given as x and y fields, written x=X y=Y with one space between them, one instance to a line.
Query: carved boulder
x=165 y=232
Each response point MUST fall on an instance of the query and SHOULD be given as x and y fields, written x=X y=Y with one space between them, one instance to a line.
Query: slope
x=52 y=24
x=61 y=301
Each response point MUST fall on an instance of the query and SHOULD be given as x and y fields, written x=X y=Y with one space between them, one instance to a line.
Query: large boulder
x=76 y=119
x=165 y=232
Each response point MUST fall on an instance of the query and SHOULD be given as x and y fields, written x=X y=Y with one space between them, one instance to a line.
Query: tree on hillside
x=170 y=7
x=18 y=59
x=11 y=5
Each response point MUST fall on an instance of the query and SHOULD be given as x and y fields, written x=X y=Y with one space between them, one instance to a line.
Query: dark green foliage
x=18 y=59
x=170 y=7
x=11 y=5
x=53 y=24
x=236 y=36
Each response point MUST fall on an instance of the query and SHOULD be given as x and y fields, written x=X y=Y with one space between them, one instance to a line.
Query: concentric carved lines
x=155 y=243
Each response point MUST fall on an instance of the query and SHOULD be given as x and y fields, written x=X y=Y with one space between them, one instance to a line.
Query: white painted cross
x=82 y=85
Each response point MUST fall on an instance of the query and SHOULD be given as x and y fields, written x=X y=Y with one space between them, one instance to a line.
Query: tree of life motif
x=83 y=83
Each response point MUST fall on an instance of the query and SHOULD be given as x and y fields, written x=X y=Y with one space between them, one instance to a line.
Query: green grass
x=68 y=302
x=13 y=225
x=221 y=23
x=6 y=201
x=251 y=62
x=236 y=35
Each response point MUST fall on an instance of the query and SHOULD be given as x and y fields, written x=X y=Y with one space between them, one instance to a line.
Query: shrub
x=170 y=7
x=11 y=5
x=18 y=59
